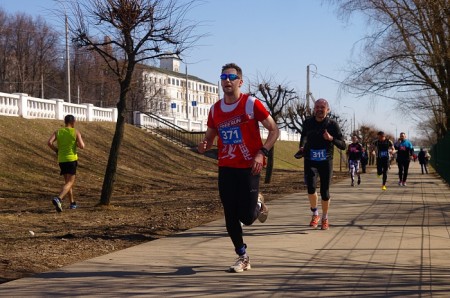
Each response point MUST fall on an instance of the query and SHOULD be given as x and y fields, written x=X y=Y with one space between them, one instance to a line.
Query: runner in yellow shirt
x=67 y=139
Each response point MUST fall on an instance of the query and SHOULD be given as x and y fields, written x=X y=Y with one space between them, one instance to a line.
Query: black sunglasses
x=230 y=76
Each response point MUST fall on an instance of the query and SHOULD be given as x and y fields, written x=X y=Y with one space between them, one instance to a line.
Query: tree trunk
x=111 y=167
x=269 y=168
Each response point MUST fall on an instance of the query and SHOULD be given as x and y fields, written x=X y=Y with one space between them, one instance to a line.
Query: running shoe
x=379 y=176
x=325 y=225
x=57 y=202
x=314 y=221
x=359 y=180
x=404 y=183
x=353 y=183
x=73 y=205
x=383 y=187
x=263 y=210
x=242 y=263
x=399 y=183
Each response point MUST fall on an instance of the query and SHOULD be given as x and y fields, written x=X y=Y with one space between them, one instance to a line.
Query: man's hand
x=299 y=153
x=201 y=148
x=258 y=162
x=327 y=136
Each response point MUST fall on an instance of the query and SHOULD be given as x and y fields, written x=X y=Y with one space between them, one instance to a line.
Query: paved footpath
x=380 y=244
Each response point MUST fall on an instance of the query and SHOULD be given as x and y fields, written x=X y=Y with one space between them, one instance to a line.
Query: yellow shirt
x=67 y=144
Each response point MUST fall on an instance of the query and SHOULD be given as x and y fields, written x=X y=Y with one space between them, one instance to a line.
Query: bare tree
x=407 y=52
x=28 y=48
x=137 y=30
x=295 y=115
x=4 y=52
x=277 y=98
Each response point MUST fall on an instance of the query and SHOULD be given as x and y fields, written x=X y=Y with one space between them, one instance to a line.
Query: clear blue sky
x=278 y=39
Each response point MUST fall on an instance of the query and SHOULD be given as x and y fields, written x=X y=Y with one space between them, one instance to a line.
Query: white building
x=173 y=98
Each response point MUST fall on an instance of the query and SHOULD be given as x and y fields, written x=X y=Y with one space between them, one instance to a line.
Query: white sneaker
x=263 y=210
x=242 y=263
x=57 y=202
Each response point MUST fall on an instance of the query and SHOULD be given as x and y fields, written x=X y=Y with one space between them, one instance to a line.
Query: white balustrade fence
x=141 y=119
x=20 y=104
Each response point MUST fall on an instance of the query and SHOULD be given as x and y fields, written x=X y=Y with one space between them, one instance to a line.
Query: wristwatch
x=264 y=151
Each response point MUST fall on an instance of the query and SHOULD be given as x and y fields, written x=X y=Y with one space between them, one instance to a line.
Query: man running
x=384 y=148
x=68 y=139
x=423 y=157
x=235 y=120
x=319 y=136
x=404 y=152
x=354 y=154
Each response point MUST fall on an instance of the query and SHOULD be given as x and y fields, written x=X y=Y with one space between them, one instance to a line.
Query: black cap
x=380 y=133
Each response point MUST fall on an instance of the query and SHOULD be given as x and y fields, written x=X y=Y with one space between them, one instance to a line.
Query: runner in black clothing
x=384 y=147
x=319 y=136
x=423 y=157
x=404 y=152
x=364 y=160
x=354 y=154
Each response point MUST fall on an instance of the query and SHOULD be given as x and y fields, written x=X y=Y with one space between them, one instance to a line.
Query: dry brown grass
x=160 y=189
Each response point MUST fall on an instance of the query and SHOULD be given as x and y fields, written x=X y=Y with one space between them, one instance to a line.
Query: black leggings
x=403 y=166
x=238 y=190
x=382 y=168
x=316 y=169
x=423 y=166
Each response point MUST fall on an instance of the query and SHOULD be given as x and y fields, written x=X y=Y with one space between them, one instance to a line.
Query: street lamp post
x=395 y=129
x=187 y=87
x=354 y=121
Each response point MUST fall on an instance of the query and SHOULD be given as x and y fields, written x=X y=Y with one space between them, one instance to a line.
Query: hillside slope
x=30 y=170
x=160 y=189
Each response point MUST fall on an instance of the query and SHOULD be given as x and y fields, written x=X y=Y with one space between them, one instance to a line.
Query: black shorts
x=315 y=169
x=69 y=167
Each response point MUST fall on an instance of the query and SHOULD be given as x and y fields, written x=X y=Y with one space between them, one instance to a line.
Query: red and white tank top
x=238 y=130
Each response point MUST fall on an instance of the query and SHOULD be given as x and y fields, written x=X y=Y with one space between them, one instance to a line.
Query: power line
x=353 y=87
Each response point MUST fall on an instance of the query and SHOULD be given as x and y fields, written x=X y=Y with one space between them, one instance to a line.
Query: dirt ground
x=90 y=231
x=160 y=189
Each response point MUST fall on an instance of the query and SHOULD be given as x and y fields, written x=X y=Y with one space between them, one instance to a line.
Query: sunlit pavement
x=392 y=243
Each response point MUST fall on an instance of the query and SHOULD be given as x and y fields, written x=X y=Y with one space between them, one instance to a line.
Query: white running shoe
x=57 y=202
x=242 y=263
x=263 y=210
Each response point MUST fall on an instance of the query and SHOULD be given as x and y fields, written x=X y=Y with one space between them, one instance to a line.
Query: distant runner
x=384 y=148
x=319 y=136
x=354 y=154
x=405 y=150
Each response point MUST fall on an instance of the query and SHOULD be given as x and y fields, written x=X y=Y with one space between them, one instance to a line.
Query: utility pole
x=307 y=90
x=354 y=121
x=187 y=94
x=67 y=59
x=42 y=86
